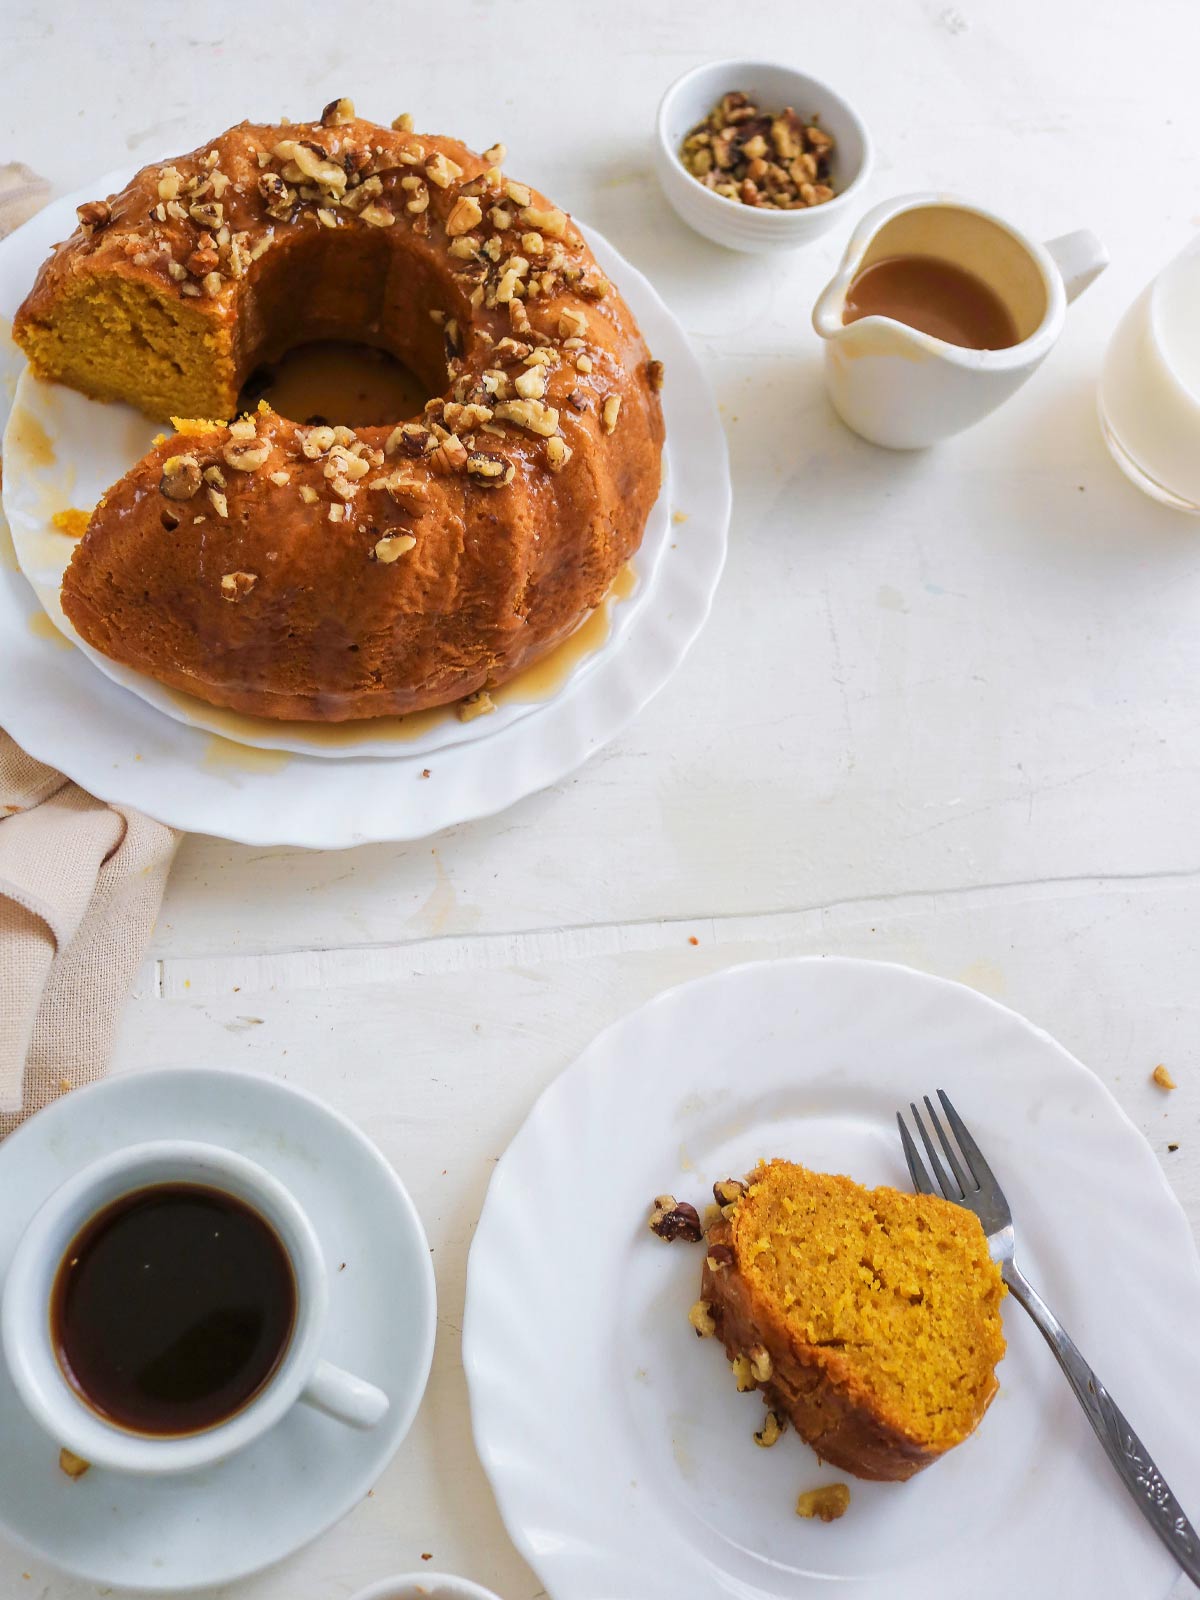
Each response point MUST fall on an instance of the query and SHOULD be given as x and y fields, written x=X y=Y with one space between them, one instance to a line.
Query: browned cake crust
x=814 y=1388
x=296 y=572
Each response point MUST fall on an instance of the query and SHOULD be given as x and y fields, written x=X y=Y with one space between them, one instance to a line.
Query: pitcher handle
x=1080 y=257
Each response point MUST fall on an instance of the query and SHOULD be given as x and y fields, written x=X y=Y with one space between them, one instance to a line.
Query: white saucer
x=56 y=703
x=644 y=1461
x=221 y=1524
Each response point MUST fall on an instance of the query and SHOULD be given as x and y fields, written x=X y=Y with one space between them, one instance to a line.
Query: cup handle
x=1080 y=258
x=340 y=1394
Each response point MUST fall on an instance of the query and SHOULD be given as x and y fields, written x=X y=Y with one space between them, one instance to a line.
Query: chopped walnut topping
x=213 y=474
x=475 y=705
x=276 y=193
x=772 y=1430
x=169 y=182
x=420 y=195
x=246 y=456
x=337 y=511
x=751 y=157
x=403 y=123
x=761 y=1365
x=500 y=218
x=219 y=503
x=518 y=193
x=464 y=248
x=235 y=584
x=410 y=438
x=530 y=384
x=392 y=546
x=741 y=1374
x=572 y=324
x=337 y=112
x=672 y=1219
x=317 y=441
x=558 y=453
x=94 y=214
x=311 y=162
x=378 y=216
x=308 y=494
x=583 y=362
x=494 y=154
x=654 y=375
x=701 y=1318
x=610 y=411
x=489 y=471
x=212 y=284
x=465 y=214
x=553 y=222
x=326 y=218
x=242 y=429
x=441 y=170
x=280 y=478
x=532 y=415
x=180 y=477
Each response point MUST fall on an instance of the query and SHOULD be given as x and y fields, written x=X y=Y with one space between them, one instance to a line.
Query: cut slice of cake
x=869 y=1317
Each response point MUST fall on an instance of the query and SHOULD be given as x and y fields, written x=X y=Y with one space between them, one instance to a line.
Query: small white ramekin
x=751 y=228
x=425 y=1586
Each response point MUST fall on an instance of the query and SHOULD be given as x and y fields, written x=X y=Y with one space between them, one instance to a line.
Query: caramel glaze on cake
x=868 y=1317
x=325 y=573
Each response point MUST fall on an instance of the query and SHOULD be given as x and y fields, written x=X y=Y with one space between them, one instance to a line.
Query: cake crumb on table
x=828 y=1503
x=1163 y=1078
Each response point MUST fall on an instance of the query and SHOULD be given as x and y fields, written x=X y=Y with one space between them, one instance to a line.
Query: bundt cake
x=869 y=1317
x=318 y=571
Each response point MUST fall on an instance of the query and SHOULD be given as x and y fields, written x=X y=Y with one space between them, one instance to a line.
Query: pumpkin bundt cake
x=869 y=1317
x=324 y=572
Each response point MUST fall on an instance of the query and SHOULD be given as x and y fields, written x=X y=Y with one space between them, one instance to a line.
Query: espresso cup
x=299 y=1375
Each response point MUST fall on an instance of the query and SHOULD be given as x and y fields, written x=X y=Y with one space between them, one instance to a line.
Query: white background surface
x=946 y=708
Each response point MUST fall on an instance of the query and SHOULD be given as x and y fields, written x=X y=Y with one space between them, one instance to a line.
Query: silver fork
x=971 y=1183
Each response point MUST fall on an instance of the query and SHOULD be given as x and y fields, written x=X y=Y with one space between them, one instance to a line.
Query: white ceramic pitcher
x=903 y=388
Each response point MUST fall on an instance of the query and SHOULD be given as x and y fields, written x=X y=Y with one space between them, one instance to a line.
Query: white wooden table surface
x=946 y=710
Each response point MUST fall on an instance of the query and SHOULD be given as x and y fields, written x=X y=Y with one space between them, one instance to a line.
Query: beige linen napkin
x=80 y=887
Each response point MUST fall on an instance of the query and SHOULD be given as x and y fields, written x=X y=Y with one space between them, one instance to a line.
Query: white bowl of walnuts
x=757 y=156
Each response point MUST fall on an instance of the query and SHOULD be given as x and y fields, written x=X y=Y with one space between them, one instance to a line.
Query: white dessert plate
x=641 y=1460
x=223 y=1523
x=199 y=769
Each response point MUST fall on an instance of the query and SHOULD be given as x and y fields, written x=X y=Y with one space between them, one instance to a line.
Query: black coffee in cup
x=172 y=1308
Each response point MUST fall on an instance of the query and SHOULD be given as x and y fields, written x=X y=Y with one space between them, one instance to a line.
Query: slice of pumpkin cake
x=869 y=1317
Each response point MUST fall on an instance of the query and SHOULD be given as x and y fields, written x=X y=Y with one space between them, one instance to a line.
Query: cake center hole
x=337 y=382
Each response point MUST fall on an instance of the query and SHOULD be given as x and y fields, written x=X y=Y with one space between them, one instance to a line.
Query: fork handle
x=1124 y=1449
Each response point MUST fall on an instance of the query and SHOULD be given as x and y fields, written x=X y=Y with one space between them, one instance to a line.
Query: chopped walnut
x=403 y=123
x=441 y=170
x=94 y=214
x=777 y=162
x=489 y=471
x=654 y=375
x=337 y=112
x=475 y=705
x=672 y=1219
x=531 y=415
x=246 y=456
x=180 y=477
x=465 y=214
x=742 y=1374
x=494 y=154
x=392 y=546
x=701 y=1319
x=558 y=453
x=219 y=503
x=235 y=584
x=771 y=1431
x=610 y=412
x=828 y=1503
x=1163 y=1078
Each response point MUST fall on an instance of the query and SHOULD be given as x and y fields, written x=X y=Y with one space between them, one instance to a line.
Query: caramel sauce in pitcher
x=935 y=297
